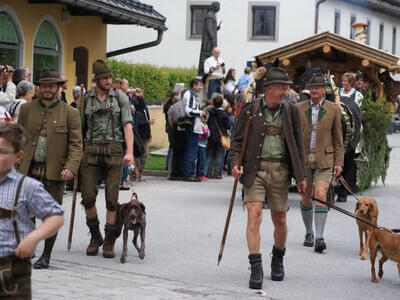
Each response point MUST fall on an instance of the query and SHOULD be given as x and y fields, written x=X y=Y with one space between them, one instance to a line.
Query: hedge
x=374 y=144
x=157 y=82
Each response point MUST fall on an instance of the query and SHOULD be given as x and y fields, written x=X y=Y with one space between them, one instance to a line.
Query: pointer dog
x=389 y=245
x=133 y=217
x=368 y=209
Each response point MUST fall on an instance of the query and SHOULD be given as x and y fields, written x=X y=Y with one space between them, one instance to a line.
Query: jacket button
x=260 y=145
x=257 y=157
x=255 y=167
x=265 y=123
x=262 y=134
x=33 y=144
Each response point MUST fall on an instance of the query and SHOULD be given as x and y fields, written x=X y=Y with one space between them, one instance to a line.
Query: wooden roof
x=350 y=47
x=114 y=11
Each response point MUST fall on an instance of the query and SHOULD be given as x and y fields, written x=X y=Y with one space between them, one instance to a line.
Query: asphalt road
x=184 y=228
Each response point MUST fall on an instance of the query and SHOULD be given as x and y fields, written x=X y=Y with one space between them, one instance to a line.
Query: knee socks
x=321 y=213
x=307 y=214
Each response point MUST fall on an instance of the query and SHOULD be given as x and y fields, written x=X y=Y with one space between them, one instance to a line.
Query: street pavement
x=184 y=227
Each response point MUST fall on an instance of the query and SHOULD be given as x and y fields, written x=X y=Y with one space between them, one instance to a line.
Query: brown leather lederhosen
x=15 y=273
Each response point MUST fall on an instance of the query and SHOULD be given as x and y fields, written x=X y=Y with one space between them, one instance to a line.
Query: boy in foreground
x=21 y=197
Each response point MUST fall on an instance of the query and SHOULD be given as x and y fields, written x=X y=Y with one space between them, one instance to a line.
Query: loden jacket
x=329 y=145
x=64 y=137
x=292 y=135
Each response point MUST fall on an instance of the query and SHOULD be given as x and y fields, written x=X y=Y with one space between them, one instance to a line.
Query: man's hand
x=337 y=170
x=236 y=172
x=212 y=69
x=128 y=158
x=66 y=174
x=26 y=248
x=301 y=187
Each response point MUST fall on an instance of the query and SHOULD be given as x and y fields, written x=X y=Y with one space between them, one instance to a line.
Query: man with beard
x=53 y=148
x=273 y=153
x=107 y=125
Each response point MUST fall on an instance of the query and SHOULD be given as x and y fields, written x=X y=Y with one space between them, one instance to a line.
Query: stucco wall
x=87 y=32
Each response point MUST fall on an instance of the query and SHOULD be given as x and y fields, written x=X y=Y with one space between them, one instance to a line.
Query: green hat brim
x=278 y=81
x=103 y=75
x=316 y=84
x=50 y=80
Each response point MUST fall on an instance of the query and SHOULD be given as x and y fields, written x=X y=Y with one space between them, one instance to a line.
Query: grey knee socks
x=307 y=214
x=321 y=213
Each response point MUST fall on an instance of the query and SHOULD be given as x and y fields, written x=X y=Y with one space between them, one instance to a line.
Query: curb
x=157 y=173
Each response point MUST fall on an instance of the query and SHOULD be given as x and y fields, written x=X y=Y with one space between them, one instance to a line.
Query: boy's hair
x=247 y=70
x=13 y=134
x=218 y=100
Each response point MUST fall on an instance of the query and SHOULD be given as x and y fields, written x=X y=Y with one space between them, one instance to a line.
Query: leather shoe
x=309 y=240
x=320 y=245
x=191 y=179
x=42 y=263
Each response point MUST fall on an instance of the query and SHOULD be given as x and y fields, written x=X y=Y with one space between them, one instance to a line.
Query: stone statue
x=209 y=37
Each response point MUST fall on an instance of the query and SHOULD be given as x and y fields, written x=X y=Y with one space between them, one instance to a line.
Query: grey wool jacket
x=292 y=135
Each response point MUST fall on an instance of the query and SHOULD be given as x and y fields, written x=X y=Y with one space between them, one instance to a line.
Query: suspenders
x=12 y=213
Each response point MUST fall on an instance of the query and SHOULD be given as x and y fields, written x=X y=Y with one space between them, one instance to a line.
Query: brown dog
x=389 y=244
x=368 y=209
x=133 y=217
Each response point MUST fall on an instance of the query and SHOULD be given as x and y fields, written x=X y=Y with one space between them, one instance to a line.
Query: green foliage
x=156 y=82
x=374 y=144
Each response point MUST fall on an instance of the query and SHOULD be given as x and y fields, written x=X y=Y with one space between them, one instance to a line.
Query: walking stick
x=75 y=189
x=229 y=214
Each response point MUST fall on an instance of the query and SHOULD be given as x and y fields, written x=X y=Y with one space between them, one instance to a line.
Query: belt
x=273 y=160
x=273 y=130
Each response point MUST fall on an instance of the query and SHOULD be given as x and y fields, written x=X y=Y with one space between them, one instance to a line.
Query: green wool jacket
x=64 y=137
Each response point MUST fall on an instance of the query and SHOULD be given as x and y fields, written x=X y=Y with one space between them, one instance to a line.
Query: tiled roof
x=389 y=7
x=114 y=11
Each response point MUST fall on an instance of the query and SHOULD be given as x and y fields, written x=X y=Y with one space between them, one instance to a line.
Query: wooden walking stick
x=229 y=214
x=75 y=189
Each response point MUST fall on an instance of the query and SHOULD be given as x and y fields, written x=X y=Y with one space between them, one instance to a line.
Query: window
x=197 y=13
x=9 y=42
x=394 y=37
x=337 y=22
x=263 y=22
x=381 y=30
x=368 y=31
x=46 y=52
x=353 y=19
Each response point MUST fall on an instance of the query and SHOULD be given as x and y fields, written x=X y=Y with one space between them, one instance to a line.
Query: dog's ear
x=121 y=210
x=357 y=206
x=143 y=207
x=373 y=209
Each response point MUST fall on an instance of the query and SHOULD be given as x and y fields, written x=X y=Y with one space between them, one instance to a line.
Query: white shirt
x=8 y=97
x=211 y=62
x=229 y=86
x=193 y=110
x=314 y=120
x=357 y=97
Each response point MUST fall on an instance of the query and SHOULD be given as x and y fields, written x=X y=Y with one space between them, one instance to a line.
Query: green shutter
x=46 y=37
x=8 y=32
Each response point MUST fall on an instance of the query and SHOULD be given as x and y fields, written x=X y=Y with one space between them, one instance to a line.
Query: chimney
x=360 y=32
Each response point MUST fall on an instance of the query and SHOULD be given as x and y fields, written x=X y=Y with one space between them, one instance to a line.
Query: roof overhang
x=113 y=11
x=378 y=57
x=389 y=7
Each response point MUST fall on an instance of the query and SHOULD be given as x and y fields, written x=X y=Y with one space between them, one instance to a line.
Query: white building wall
x=327 y=20
x=295 y=21
x=176 y=50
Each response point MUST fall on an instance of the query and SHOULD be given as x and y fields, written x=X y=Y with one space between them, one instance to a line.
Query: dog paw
x=141 y=254
x=363 y=256
x=380 y=274
x=374 y=280
x=122 y=260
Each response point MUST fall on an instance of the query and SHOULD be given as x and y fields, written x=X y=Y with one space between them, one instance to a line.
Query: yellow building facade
x=65 y=35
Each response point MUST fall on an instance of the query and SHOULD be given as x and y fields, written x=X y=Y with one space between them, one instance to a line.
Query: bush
x=374 y=144
x=156 y=82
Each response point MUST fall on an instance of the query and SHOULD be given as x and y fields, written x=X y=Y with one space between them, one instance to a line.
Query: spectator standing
x=244 y=81
x=76 y=93
x=142 y=125
x=230 y=82
x=7 y=87
x=214 y=67
x=347 y=90
x=193 y=114
x=202 y=152
x=117 y=83
x=218 y=122
x=63 y=88
x=25 y=92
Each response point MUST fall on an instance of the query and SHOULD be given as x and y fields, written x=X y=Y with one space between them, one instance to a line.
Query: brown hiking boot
x=96 y=239
x=111 y=233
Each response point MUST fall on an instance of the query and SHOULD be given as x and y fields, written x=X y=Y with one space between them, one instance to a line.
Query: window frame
x=49 y=52
x=251 y=36
x=336 y=22
x=381 y=35
x=352 y=31
x=189 y=22
x=20 y=47
x=394 y=39
x=368 y=33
